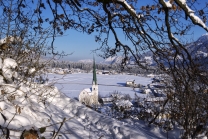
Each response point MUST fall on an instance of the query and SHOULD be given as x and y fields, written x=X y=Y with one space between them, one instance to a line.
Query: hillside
x=32 y=109
x=81 y=122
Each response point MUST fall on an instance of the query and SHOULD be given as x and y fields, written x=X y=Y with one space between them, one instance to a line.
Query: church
x=89 y=96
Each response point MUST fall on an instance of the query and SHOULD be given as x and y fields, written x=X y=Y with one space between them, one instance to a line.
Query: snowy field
x=73 y=84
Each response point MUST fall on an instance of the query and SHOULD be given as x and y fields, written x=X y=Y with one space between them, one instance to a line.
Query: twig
x=59 y=128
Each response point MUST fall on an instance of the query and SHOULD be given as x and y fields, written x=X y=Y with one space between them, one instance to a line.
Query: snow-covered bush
x=121 y=105
x=23 y=104
x=7 y=68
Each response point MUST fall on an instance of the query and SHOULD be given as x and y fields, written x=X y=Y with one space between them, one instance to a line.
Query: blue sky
x=81 y=45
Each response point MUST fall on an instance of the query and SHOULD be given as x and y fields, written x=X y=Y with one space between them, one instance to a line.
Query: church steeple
x=94 y=80
x=87 y=97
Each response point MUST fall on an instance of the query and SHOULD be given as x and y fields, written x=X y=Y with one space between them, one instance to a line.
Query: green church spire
x=94 y=72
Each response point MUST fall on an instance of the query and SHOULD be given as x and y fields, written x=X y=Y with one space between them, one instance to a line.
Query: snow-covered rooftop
x=124 y=103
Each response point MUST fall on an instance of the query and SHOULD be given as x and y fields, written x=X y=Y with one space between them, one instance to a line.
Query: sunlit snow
x=73 y=84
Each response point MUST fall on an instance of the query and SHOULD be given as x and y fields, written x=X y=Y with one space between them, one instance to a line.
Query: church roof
x=88 y=90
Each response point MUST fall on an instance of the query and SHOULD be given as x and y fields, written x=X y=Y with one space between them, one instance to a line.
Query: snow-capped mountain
x=200 y=46
x=203 y=38
x=131 y=61
x=85 y=61
x=113 y=60
x=197 y=49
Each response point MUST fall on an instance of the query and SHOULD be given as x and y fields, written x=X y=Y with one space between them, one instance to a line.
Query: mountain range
x=197 y=49
x=85 y=61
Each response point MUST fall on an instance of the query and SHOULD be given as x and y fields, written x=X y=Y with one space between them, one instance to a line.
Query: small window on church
x=94 y=88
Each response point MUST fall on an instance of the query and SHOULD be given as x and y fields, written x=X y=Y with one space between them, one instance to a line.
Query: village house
x=124 y=105
x=107 y=99
x=130 y=82
x=106 y=72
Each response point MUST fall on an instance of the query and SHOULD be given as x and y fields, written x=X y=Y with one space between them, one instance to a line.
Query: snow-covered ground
x=94 y=125
x=29 y=107
x=80 y=122
x=73 y=84
x=41 y=110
